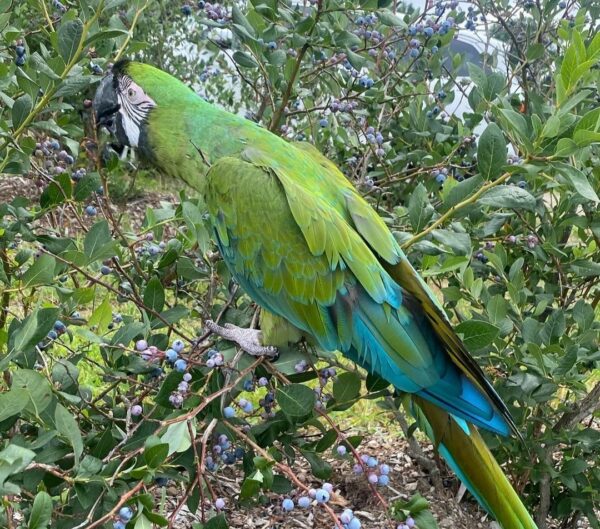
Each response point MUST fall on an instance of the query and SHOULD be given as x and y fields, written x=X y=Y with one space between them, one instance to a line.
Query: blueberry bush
x=483 y=158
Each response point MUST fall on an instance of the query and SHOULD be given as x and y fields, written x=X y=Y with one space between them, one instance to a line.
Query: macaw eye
x=131 y=92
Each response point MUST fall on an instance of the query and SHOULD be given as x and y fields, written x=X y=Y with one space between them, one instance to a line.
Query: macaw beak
x=106 y=104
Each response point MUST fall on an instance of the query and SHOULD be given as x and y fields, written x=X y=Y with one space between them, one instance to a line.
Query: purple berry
x=372 y=478
x=262 y=381
x=136 y=410
x=141 y=345
x=219 y=504
x=410 y=522
x=328 y=487
x=341 y=450
x=187 y=377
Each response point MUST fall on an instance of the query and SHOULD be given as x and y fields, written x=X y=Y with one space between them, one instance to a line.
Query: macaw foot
x=248 y=339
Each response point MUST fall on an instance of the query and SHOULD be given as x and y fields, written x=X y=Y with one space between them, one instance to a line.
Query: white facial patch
x=135 y=106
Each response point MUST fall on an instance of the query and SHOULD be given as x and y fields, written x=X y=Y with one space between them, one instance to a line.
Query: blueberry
x=440 y=178
x=20 y=61
x=187 y=377
x=410 y=522
x=272 y=45
x=441 y=94
x=341 y=450
x=118 y=525
x=141 y=345
x=239 y=453
x=248 y=408
x=178 y=346
x=90 y=211
x=354 y=523
x=322 y=496
x=219 y=504
x=59 y=326
x=262 y=381
x=327 y=487
x=248 y=385
x=186 y=10
x=287 y=505
x=384 y=469
x=171 y=355
x=228 y=412
x=125 y=514
x=161 y=481
x=357 y=469
x=562 y=5
x=136 y=410
x=522 y=184
x=53 y=335
x=346 y=516
x=434 y=49
x=373 y=478
x=20 y=51
x=371 y=462
x=383 y=480
x=428 y=32
x=323 y=122
x=414 y=53
x=105 y=270
x=180 y=365
x=304 y=502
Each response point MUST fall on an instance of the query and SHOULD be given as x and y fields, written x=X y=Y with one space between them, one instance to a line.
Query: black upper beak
x=106 y=104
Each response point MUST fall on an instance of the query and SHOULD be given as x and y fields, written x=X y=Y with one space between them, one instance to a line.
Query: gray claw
x=248 y=339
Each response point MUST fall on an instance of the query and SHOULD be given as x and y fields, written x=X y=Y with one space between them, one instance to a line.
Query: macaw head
x=128 y=95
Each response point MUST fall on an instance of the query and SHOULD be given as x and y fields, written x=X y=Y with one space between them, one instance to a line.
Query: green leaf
x=69 y=37
x=177 y=437
x=477 y=334
x=491 y=152
x=583 y=268
x=41 y=272
x=459 y=243
x=578 y=181
x=387 y=18
x=21 y=109
x=216 y=522
x=98 y=244
x=33 y=329
x=554 y=327
x=107 y=34
x=67 y=426
x=13 y=460
x=154 y=295
x=12 y=402
x=507 y=196
x=565 y=147
x=86 y=186
x=156 y=455
x=320 y=468
x=102 y=316
x=587 y=131
x=244 y=60
x=419 y=208
x=346 y=387
x=516 y=123
x=296 y=400
x=41 y=512
x=551 y=127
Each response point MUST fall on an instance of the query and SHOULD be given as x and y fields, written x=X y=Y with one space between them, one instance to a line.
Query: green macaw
x=320 y=262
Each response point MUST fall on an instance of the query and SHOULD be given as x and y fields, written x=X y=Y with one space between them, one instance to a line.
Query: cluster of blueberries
x=223 y=450
x=21 y=53
x=377 y=474
x=125 y=514
x=215 y=12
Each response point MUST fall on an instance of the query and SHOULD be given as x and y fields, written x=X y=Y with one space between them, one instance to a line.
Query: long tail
x=463 y=448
